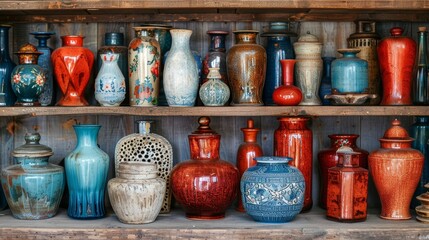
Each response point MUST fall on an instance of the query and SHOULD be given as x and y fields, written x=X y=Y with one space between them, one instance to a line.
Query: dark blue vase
x=420 y=84
x=7 y=97
x=420 y=132
x=349 y=73
x=86 y=171
x=325 y=86
x=278 y=47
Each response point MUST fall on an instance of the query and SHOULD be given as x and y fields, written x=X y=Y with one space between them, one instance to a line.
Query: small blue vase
x=7 y=97
x=86 y=170
x=272 y=191
x=349 y=73
x=325 y=86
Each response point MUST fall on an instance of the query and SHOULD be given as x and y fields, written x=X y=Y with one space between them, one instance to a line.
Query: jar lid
x=32 y=148
x=204 y=128
x=28 y=49
x=396 y=132
x=310 y=38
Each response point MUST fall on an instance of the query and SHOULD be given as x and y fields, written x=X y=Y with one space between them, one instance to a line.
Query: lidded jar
x=205 y=185
x=33 y=187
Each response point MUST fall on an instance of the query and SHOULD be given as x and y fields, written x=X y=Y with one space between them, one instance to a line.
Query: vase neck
x=180 y=38
x=144 y=126
x=4 y=43
x=245 y=37
x=287 y=71
x=217 y=43
x=74 y=41
x=349 y=55
x=395 y=144
x=293 y=123
x=42 y=41
x=204 y=147
x=86 y=135
x=422 y=119
x=109 y=58
x=338 y=140
x=113 y=39
x=422 y=49
x=42 y=161
x=327 y=61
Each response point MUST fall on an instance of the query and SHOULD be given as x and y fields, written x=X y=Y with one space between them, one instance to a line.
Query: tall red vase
x=72 y=65
x=328 y=158
x=293 y=139
x=205 y=186
x=246 y=153
x=396 y=56
x=287 y=94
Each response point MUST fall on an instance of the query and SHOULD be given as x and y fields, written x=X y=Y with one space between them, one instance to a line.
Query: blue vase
x=420 y=132
x=272 y=191
x=325 y=86
x=349 y=73
x=7 y=97
x=86 y=170
x=278 y=47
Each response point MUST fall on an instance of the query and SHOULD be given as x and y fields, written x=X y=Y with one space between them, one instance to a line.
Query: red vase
x=293 y=139
x=72 y=65
x=328 y=158
x=205 y=186
x=287 y=94
x=396 y=169
x=246 y=153
x=396 y=56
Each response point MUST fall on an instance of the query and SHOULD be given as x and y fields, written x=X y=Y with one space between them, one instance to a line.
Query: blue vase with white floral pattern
x=110 y=87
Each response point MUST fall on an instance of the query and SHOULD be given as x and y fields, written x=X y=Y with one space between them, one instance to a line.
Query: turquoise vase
x=86 y=170
x=272 y=191
x=349 y=73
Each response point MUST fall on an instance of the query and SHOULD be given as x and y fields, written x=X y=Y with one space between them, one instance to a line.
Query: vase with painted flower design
x=110 y=86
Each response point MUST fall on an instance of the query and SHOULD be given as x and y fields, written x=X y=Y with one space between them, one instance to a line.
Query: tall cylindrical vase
x=86 y=171
x=325 y=86
x=181 y=78
x=7 y=97
x=420 y=84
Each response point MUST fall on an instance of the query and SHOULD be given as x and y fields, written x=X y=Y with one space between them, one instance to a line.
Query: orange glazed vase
x=396 y=169
x=72 y=65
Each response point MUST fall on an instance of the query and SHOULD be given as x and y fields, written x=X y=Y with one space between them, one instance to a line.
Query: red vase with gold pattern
x=246 y=153
x=72 y=65
x=293 y=139
x=287 y=94
x=396 y=169
x=205 y=186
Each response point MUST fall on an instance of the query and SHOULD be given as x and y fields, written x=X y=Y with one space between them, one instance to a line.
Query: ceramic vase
x=422 y=210
x=33 y=186
x=205 y=186
x=86 y=171
x=328 y=158
x=396 y=56
x=72 y=69
x=181 y=78
x=246 y=154
x=420 y=84
x=246 y=67
x=7 y=96
x=278 y=47
x=293 y=139
x=137 y=192
x=214 y=92
x=396 y=169
x=287 y=94
x=110 y=85
x=28 y=78
x=273 y=191
x=216 y=56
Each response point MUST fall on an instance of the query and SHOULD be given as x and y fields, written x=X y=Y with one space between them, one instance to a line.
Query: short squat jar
x=136 y=194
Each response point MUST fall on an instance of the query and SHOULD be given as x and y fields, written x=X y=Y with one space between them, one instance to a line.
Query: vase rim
x=6 y=25
x=72 y=36
x=150 y=27
x=343 y=135
x=293 y=118
x=156 y=25
x=43 y=33
x=246 y=31
x=181 y=30
x=86 y=125
x=348 y=50
x=273 y=159
x=218 y=32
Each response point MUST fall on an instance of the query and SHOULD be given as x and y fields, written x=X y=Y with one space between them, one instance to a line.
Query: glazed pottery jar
x=326 y=86
x=349 y=73
x=246 y=154
x=293 y=139
x=144 y=59
x=216 y=56
x=246 y=67
x=422 y=210
x=28 y=78
x=396 y=56
x=347 y=188
x=110 y=85
x=287 y=94
x=205 y=186
x=86 y=171
x=181 y=78
x=328 y=158
x=137 y=192
x=396 y=169
x=45 y=62
x=214 y=92
x=420 y=85
x=272 y=191
x=72 y=69
x=308 y=68
x=33 y=186
x=148 y=147
x=7 y=97
x=278 y=47
x=366 y=39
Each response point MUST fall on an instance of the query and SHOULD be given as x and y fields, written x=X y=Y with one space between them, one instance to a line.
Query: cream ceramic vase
x=136 y=194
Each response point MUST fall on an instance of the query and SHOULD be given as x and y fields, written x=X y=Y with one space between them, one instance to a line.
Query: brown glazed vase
x=246 y=153
x=293 y=139
x=396 y=169
x=246 y=66
x=328 y=158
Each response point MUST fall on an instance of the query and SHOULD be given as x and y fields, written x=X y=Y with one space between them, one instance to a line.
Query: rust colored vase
x=205 y=186
x=287 y=94
x=246 y=153
x=72 y=69
x=396 y=56
x=347 y=188
x=396 y=169
x=328 y=158
x=293 y=139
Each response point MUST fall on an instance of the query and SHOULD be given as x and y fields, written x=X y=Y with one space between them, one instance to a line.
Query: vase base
x=240 y=209
x=407 y=217
x=205 y=217
x=345 y=220
x=75 y=102
x=27 y=104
